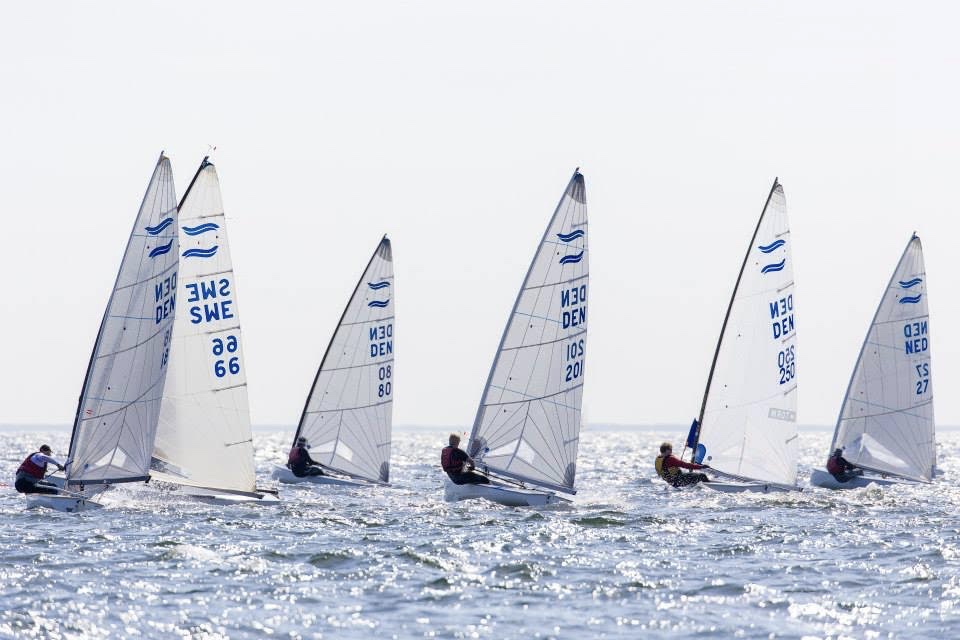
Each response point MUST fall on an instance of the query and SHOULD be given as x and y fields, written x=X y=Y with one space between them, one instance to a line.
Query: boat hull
x=286 y=476
x=745 y=487
x=822 y=478
x=501 y=494
x=66 y=504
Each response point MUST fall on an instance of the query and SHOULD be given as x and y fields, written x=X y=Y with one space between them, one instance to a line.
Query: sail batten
x=205 y=437
x=528 y=420
x=747 y=421
x=116 y=422
x=893 y=373
x=348 y=433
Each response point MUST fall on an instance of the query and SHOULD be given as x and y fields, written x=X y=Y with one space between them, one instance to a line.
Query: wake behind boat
x=204 y=444
x=348 y=414
x=116 y=420
x=885 y=428
x=527 y=427
x=746 y=430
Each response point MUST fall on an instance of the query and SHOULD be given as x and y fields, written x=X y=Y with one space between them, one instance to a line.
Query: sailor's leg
x=688 y=479
x=315 y=471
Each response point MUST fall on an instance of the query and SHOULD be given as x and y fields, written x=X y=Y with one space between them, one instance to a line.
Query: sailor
x=840 y=469
x=668 y=467
x=458 y=465
x=32 y=470
x=300 y=462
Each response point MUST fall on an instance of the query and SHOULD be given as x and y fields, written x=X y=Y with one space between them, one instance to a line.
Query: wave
x=162 y=249
x=773 y=246
x=201 y=253
x=910 y=299
x=910 y=283
x=378 y=303
x=166 y=222
x=378 y=285
x=571 y=259
x=777 y=266
x=573 y=235
x=203 y=228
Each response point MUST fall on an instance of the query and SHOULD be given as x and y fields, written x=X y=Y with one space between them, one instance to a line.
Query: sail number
x=786 y=359
x=386 y=386
x=228 y=364
x=166 y=349
x=923 y=373
x=574 y=360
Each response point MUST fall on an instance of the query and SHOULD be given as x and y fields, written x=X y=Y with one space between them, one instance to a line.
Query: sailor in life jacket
x=840 y=469
x=30 y=474
x=300 y=462
x=459 y=465
x=668 y=467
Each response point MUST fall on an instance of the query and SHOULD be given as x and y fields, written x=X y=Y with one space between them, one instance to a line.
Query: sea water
x=629 y=558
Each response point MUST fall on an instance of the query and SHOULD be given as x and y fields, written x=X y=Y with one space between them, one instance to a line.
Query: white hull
x=215 y=496
x=823 y=478
x=501 y=494
x=286 y=476
x=745 y=487
x=67 y=504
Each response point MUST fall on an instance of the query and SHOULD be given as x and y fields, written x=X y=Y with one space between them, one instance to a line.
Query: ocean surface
x=628 y=559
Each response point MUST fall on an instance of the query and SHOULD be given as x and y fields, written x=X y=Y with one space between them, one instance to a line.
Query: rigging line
x=557 y=283
x=367 y=321
x=552 y=395
x=552 y=452
x=508 y=423
x=547 y=342
x=360 y=366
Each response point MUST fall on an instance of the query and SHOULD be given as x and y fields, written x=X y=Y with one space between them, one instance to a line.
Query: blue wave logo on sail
x=773 y=246
x=910 y=283
x=379 y=303
x=162 y=249
x=573 y=235
x=776 y=266
x=910 y=299
x=378 y=285
x=166 y=222
x=201 y=253
x=572 y=259
x=203 y=228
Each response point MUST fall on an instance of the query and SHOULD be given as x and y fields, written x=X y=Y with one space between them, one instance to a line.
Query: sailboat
x=527 y=428
x=886 y=425
x=747 y=429
x=204 y=445
x=116 y=419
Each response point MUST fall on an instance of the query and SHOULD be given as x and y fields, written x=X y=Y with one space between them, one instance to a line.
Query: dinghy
x=527 y=428
x=885 y=425
x=747 y=430
x=116 y=420
x=204 y=444
x=348 y=415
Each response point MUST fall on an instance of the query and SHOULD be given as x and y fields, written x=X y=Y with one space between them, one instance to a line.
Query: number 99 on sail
x=788 y=364
x=230 y=365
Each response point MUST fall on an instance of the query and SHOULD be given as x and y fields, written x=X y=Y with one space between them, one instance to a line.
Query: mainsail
x=528 y=424
x=348 y=415
x=116 y=420
x=204 y=438
x=749 y=411
x=886 y=421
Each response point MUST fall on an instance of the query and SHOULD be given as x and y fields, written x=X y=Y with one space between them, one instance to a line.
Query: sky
x=454 y=128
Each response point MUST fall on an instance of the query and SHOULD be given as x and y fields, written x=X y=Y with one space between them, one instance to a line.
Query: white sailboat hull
x=501 y=494
x=67 y=504
x=746 y=487
x=823 y=478
x=286 y=476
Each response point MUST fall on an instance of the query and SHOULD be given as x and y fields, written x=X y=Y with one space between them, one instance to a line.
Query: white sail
x=205 y=438
x=886 y=421
x=748 y=420
x=528 y=423
x=348 y=415
x=116 y=419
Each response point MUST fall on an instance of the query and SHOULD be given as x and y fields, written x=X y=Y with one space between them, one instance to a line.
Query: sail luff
x=103 y=321
x=863 y=345
x=726 y=317
x=516 y=302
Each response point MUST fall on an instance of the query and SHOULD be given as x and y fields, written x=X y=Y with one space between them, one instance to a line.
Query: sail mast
x=726 y=317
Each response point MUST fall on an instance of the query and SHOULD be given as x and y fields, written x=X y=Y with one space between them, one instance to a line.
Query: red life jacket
x=447 y=462
x=834 y=466
x=294 y=458
x=31 y=468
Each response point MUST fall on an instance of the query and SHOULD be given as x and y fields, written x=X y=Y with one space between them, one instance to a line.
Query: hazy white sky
x=454 y=128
